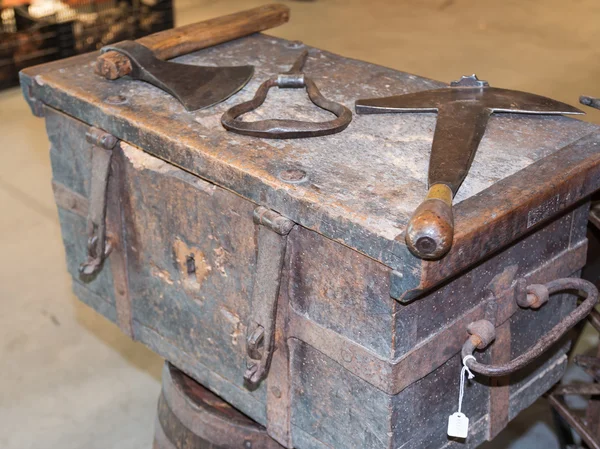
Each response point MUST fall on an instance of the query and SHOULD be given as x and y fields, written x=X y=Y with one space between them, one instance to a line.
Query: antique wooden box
x=214 y=235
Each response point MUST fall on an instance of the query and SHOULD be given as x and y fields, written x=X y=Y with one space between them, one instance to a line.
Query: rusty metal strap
x=102 y=144
x=389 y=376
x=272 y=238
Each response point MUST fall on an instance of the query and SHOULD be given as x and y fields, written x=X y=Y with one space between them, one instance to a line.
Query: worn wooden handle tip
x=430 y=230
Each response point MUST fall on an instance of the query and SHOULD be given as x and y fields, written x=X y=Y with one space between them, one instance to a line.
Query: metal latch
x=97 y=246
x=273 y=230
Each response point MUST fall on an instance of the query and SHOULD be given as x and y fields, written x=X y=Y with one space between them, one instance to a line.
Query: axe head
x=196 y=87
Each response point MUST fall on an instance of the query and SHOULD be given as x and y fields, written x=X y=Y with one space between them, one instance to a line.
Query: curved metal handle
x=287 y=129
x=482 y=332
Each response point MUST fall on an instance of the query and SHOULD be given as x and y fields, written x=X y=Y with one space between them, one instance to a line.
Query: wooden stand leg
x=191 y=417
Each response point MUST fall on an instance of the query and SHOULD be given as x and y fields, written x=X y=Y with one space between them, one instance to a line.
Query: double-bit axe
x=195 y=87
x=463 y=111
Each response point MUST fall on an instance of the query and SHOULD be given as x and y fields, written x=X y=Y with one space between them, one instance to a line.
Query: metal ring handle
x=286 y=129
x=544 y=343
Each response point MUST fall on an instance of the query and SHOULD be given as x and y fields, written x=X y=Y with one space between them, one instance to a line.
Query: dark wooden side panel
x=191 y=251
x=421 y=411
x=334 y=406
x=341 y=290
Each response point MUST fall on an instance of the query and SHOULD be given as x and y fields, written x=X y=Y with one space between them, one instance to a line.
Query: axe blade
x=196 y=87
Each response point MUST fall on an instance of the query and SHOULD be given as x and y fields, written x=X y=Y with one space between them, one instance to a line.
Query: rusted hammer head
x=463 y=111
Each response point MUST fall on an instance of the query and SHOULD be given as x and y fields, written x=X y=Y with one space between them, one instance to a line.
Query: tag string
x=465 y=369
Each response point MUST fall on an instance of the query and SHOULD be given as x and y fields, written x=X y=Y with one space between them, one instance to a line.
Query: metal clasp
x=273 y=230
x=98 y=248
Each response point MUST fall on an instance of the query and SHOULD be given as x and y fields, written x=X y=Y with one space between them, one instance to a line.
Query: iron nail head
x=293 y=176
x=116 y=99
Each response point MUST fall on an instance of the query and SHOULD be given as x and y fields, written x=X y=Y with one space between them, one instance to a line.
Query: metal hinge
x=98 y=247
x=273 y=230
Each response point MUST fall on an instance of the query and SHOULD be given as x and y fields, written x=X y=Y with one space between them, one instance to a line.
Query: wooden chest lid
x=362 y=184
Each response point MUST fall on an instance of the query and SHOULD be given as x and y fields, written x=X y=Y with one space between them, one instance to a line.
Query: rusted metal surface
x=272 y=241
x=117 y=207
x=500 y=386
x=544 y=343
x=386 y=187
x=279 y=395
x=288 y=129
x=191 y=417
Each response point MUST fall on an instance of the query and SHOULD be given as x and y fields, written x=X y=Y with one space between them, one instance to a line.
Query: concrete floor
x=70 y=380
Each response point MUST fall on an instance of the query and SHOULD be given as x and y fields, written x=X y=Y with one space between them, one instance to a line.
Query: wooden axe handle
x=186 y=39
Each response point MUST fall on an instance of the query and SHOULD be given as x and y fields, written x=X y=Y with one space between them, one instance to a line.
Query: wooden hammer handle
x=186 y=39
x=430 y=231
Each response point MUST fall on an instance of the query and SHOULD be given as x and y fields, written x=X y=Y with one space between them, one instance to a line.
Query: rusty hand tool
x=288 y=129
x=463 y=112
x=195 y=86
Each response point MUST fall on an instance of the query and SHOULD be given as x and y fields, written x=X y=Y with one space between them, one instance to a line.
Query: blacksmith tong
x=463 y=112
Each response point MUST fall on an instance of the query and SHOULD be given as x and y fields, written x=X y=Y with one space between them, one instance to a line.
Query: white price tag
x=458 y=425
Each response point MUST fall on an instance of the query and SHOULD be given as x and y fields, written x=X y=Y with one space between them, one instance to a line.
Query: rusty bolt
x=293 y=176
x=537 y=296
x=484 y=331
x=116 y=99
